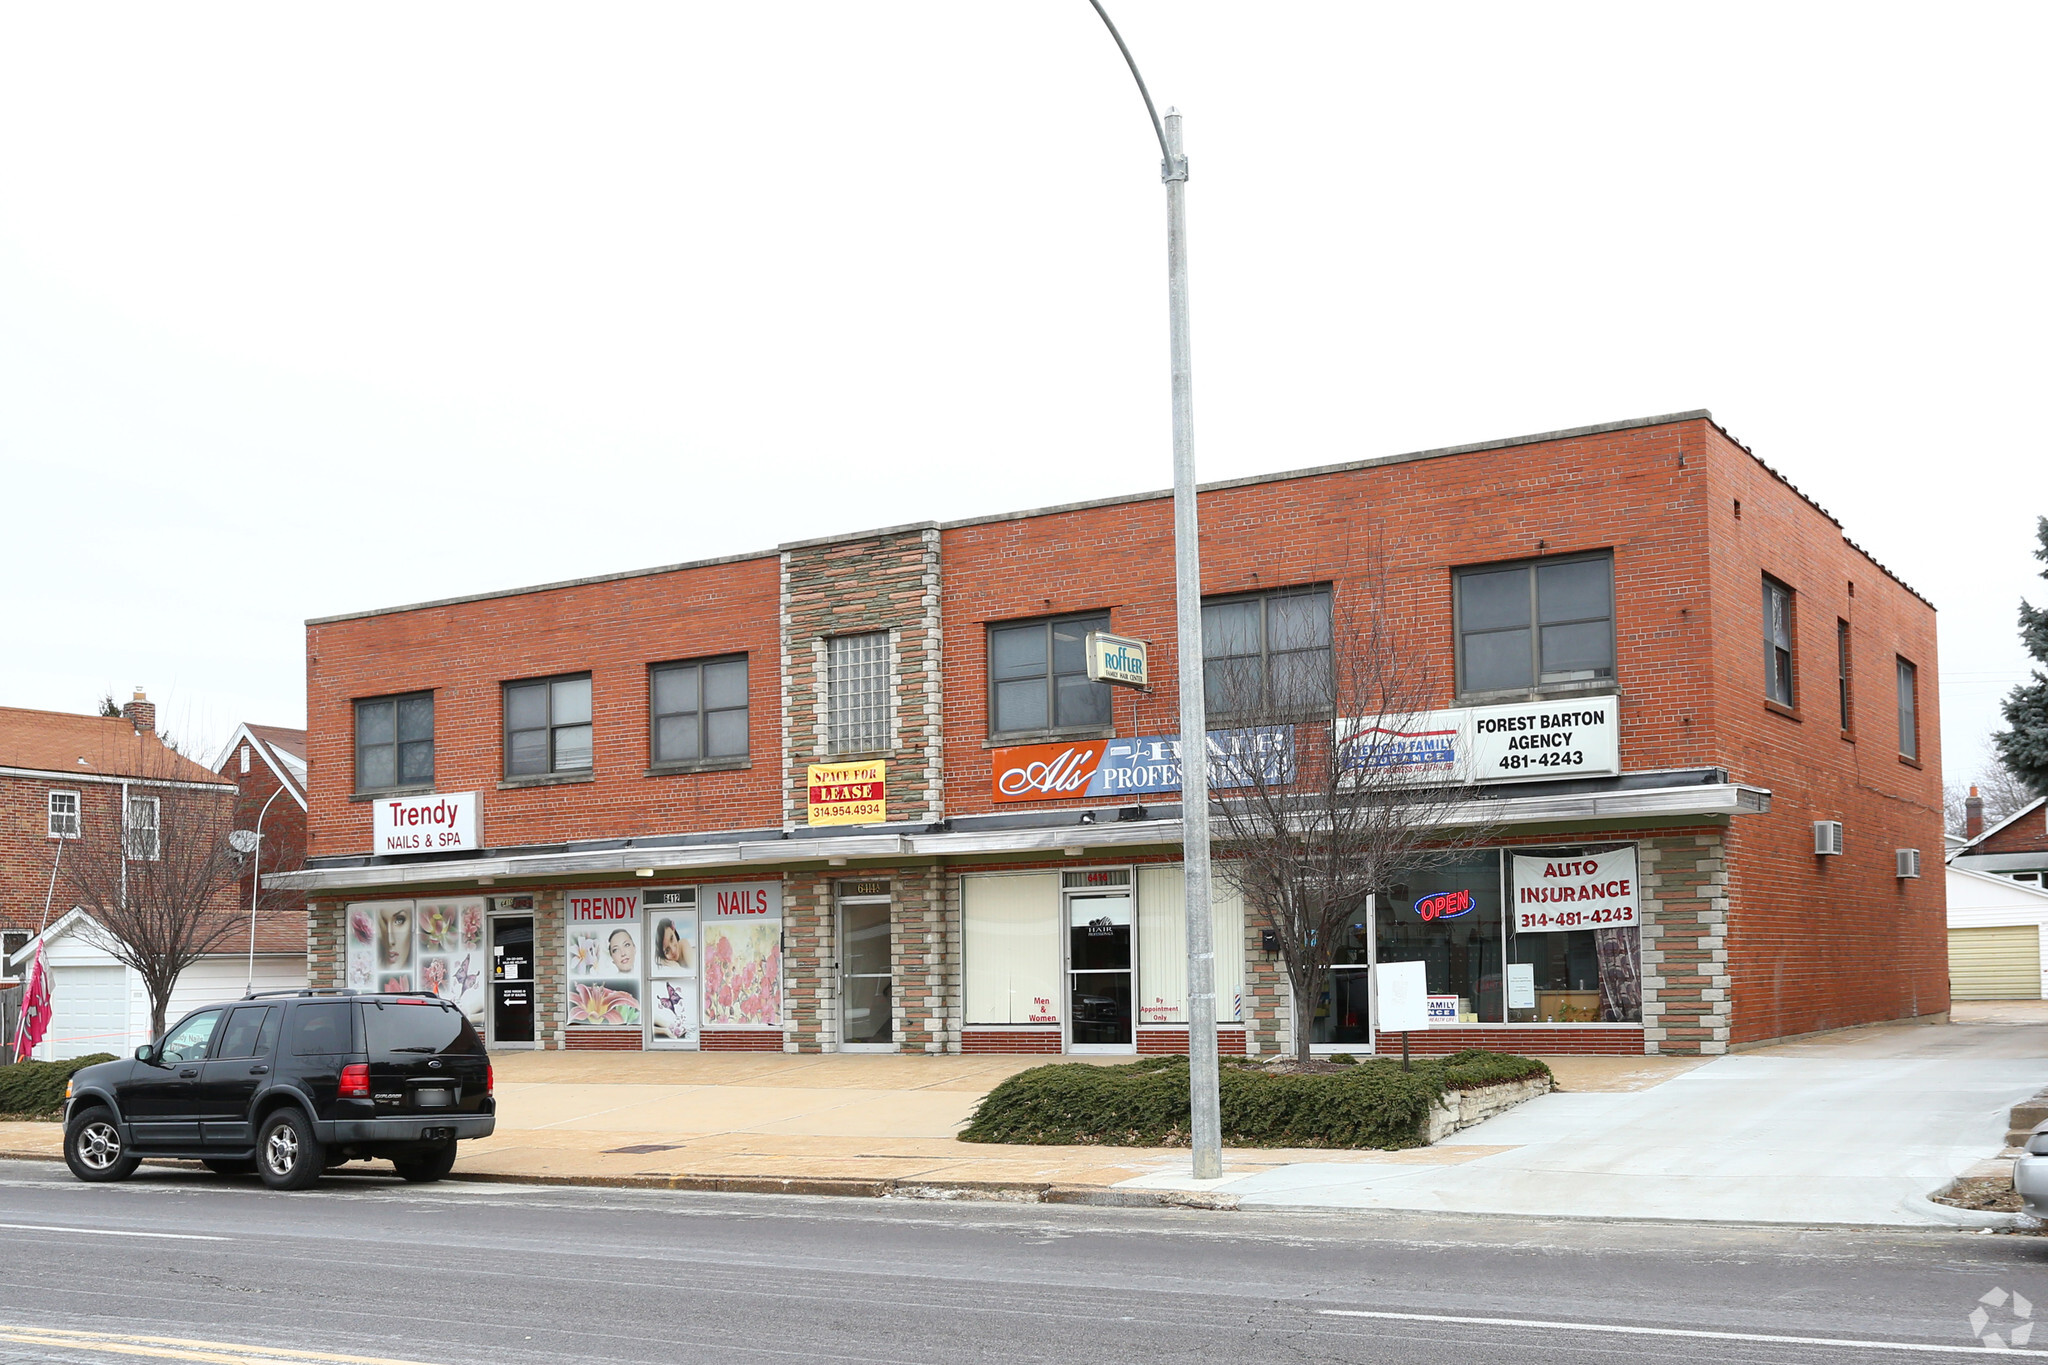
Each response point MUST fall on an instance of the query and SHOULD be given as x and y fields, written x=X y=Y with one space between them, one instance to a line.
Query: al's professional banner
x=1110 y=768
x=1511 y=743
x=1588 y=891
x=848 y=793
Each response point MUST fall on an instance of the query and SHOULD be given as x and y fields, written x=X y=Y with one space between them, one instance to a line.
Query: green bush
x=38 y=1087
x=1145 y=1104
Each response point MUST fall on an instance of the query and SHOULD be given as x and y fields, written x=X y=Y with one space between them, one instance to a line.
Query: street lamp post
x=256 y=883
x=1187 y=582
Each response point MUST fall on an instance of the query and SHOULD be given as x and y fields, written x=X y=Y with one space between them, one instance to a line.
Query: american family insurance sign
x=425 y=824
x=1112 y=768
x=1519 y=742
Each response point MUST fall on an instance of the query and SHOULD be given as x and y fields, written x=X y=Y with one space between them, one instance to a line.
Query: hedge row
x=1145 y=1103
x=38 y=1087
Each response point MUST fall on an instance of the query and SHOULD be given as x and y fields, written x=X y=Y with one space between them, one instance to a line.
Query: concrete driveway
x=1854 y=1127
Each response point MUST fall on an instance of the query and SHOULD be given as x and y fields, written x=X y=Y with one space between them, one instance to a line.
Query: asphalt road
x=187 y=1266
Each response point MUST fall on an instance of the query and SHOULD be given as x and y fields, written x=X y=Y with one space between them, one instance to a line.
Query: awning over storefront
x=1635 y=798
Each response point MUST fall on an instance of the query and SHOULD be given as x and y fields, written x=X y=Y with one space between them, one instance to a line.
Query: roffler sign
x=439 y=823
x=1116 y=659
x=1589 y=891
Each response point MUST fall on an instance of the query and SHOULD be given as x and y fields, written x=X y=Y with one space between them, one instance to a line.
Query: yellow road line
x=180 y=1348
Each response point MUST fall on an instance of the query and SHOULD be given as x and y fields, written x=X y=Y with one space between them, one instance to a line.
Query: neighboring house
x=267 y=764
x=1997 y=937
x=613 y=816
x=63 y=776
x=2015 y=847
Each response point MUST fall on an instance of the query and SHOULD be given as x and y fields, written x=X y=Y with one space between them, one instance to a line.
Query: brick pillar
x=326 y=956
x=920 y=962
x=810 y=964
x=550 y=970
x=1685 y=944
x=1268 y=1009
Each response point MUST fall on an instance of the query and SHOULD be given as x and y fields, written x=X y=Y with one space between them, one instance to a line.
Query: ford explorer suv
x=289 y=1084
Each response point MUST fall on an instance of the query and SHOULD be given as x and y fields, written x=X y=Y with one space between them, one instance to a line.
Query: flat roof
x=1251 y=480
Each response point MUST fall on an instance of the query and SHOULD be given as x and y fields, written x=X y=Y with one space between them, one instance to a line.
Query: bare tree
x=158 y=879
x=1366 y=795
x=2002 y=791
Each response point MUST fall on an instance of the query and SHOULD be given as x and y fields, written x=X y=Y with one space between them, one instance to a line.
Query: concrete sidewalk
x=1855 y=1127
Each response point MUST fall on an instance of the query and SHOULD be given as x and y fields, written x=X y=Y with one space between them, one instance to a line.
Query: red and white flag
x=35 y=1010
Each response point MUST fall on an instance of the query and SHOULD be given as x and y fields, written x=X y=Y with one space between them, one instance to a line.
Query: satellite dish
x=242 y=840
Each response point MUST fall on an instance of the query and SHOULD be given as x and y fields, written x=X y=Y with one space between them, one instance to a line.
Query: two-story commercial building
x=586 y=809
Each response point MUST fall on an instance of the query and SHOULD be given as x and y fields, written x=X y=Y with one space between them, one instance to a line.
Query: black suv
x=288 y=1084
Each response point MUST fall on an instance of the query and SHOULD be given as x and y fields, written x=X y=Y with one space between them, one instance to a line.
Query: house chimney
x=1973 y=815
x=141 y=713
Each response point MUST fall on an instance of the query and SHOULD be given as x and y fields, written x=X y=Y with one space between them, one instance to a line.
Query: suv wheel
x=288 y=1156
x=93 y=1150
x=429 y=1168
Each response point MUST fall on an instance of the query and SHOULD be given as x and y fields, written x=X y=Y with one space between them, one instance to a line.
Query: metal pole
x=1203 y=1102
x=1194 y=712
x=255 y=882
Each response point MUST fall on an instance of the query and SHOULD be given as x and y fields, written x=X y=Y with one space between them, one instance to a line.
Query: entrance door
x=512 y=981
x=865 y=999
x=1099 y=974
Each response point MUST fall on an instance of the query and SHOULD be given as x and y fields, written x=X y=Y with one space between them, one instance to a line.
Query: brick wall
x=854 y=586
x=810 y=965
x=1819 y=942
x=1684 y=930
x=614 y=629
x=2028 y=834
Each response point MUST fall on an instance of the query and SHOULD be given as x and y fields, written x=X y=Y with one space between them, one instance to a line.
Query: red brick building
x=267 y=764
x=581 y=807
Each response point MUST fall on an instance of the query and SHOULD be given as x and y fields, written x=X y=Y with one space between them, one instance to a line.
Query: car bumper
x=408 y=1129
x=2030 y=1178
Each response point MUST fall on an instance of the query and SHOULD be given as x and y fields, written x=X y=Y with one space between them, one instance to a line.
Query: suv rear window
x=321 y=1029
x=399 y=1026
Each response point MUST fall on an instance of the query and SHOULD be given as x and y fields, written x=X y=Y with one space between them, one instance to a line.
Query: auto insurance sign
x=1556 y=895
x=1107 y=769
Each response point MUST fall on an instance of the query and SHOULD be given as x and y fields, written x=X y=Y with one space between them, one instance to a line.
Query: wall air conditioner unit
x=1827 y=838
x=1909 y=862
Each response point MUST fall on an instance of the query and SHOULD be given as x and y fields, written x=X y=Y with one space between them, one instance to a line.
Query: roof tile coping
x=1247 y=481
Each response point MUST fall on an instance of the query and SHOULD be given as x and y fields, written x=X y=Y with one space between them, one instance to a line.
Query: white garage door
x=1995 y=964
x=89 y=1011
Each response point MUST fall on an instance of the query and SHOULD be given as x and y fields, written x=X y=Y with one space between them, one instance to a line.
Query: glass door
x=866 y=1000
x=1343 y=1014
x=511 y=981
x=1099 y=974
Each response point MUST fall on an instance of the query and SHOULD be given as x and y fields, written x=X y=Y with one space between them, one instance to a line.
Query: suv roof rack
x=303 y=990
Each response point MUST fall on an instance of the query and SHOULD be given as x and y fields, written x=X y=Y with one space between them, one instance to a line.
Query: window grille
x=64 y=820
x=858 y=680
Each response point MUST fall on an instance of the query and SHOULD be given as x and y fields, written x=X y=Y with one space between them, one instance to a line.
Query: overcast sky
x=306 y=310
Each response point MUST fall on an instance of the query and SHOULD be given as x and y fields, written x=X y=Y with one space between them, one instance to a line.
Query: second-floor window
x=1909 y=711
x=395 y=742
x=698 y=711
x=64 y=817
x=143 y=832
x=547 y=726
x=1842 y=673
x=1540 y=623
x=1267 y=652
x=1778 y=642
x=1038 y=677
x=857 y=687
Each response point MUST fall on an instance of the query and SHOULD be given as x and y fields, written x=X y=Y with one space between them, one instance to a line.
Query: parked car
x=288 y=1084
x=2030 y=1173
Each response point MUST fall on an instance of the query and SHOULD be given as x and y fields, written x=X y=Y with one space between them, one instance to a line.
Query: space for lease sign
x=1587 y=891
x=848 y=793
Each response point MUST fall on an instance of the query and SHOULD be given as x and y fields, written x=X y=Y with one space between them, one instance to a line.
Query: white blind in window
x=858 y=668
x=1011 y=948
x=1163 y=947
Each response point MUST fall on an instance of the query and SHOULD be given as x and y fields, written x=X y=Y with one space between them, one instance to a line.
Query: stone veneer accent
x=884 y=582
x=1685 y=945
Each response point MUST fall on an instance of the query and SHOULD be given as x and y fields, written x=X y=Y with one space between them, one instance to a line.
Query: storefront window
x=434 y=946
x=1449 y=919
x=1560 y=971
x=1163 y=946
x=1011 y=948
